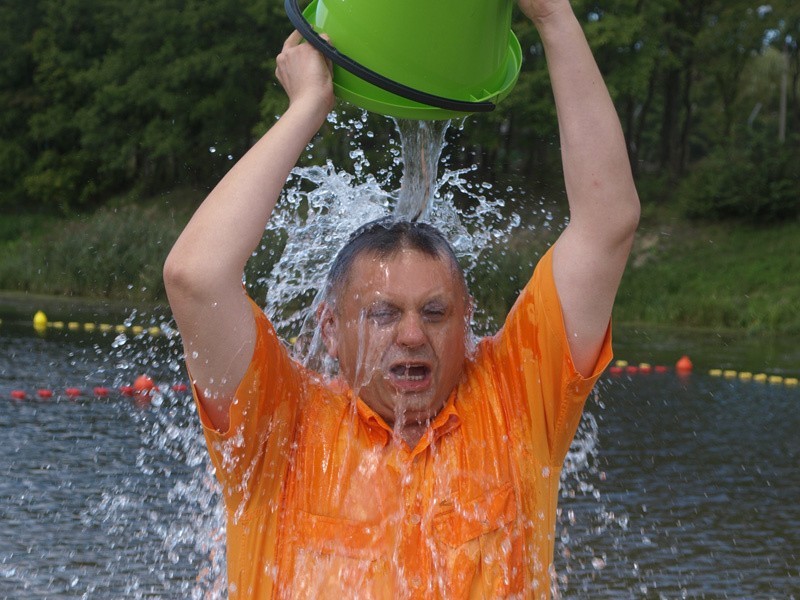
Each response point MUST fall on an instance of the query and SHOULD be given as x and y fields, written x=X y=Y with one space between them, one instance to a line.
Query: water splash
x=322 y=205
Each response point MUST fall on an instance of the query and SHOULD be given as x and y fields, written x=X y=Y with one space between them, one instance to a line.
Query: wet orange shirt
x=323 y=502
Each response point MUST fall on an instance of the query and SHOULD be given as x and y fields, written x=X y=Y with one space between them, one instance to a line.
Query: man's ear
x=328 y=326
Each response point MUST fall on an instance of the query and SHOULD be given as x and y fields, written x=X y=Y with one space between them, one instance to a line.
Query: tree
x=18 y=97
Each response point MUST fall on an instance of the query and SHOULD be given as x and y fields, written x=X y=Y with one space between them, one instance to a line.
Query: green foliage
x=700 y=275
x=103 y=96
x=758 y=183
x=17 y=96
x=116 y=253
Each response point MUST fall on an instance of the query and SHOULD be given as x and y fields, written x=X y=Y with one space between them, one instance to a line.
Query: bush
x=116 y=253
x=757 y=183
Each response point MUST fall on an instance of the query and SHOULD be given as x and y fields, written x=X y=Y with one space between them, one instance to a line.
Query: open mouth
x=410 y=377
x=411 y=372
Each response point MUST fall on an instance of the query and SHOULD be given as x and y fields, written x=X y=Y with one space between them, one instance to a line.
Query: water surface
x=683 y=487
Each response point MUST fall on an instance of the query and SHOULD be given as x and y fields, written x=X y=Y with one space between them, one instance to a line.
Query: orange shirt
x=323 y=502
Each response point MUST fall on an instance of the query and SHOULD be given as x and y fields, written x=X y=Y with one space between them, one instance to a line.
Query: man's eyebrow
x=380 y=302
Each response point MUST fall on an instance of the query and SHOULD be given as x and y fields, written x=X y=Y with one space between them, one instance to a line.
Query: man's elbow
x=629 y=214
x=181 y=280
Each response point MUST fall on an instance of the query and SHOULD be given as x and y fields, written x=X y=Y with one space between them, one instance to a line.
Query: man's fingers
x=294 y=39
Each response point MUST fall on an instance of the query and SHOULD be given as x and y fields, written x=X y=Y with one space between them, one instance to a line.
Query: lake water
x=681 y=487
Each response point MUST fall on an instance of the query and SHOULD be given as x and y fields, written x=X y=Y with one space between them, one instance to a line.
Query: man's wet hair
x=384 y=238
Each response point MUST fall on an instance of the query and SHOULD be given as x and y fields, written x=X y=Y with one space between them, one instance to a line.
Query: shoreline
x=19 y=307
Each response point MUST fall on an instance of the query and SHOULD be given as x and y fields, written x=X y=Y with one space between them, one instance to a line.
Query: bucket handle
x=370 y=76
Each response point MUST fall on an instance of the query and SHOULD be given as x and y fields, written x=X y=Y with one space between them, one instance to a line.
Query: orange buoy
x=144 y=385
x=19 y=395
x=684 y=365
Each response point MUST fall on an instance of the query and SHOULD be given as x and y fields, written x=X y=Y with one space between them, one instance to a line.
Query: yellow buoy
x=715 y=372
x=729 y=374
x=775 y=379
x=760 y=377
x=745 y=375
x=790 y=381
x=88 y=326
x=39 y=320
x=105 y=327
x=57 y=324
x=154 y=331
x=137 y=329
x=120 y=329
x=621 y=363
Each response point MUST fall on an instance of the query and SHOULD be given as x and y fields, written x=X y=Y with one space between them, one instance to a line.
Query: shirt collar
x=379 y=431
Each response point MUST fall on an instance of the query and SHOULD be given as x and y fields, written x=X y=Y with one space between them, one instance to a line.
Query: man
x=427 y=469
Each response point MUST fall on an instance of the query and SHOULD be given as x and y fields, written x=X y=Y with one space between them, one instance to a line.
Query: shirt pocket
x=479 y=545
x=337 y=558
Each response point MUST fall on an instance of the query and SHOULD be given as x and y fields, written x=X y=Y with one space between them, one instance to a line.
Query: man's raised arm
x=203 y=272
x=590 y=255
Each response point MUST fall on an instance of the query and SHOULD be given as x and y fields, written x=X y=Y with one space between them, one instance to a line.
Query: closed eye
x=382 y=314
x=434 y=312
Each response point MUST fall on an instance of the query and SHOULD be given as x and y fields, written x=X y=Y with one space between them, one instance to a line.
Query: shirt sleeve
x=542 y=391
x=250 y=459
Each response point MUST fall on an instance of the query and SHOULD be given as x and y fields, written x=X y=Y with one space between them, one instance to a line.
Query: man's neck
x=412 y=433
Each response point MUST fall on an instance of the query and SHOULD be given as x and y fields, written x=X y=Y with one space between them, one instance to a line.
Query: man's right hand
x=305 y=74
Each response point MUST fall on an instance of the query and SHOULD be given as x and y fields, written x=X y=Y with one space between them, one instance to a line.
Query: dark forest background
x=101 y=97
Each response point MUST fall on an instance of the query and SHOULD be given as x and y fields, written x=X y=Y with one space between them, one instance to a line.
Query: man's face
x=399 y=331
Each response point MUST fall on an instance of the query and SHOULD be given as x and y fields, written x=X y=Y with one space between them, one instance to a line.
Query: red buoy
x=19 y=395
x=143 y=385
x=127 y=390
x=684 y=365
x=72 y=392
x=44 y=394
x=661 y=369
x=179 y=387
x=101 y=392
x=615 y=370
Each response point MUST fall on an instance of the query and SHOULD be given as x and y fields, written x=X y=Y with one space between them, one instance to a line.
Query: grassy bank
x=712 y=275
x=681 y=273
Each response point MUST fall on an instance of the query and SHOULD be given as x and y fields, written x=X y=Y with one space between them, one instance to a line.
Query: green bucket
x=415 y=59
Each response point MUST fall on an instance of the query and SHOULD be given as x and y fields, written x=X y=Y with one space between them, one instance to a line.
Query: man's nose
x=410 y=331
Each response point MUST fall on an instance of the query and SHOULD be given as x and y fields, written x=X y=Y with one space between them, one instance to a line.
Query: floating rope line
x=684 y=367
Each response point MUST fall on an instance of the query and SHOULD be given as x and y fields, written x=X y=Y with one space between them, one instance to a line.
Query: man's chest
x=360 y=511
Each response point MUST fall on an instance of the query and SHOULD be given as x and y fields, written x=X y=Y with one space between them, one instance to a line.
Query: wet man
x=428 y=469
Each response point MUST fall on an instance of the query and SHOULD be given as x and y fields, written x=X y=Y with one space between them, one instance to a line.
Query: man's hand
x=305 y=74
